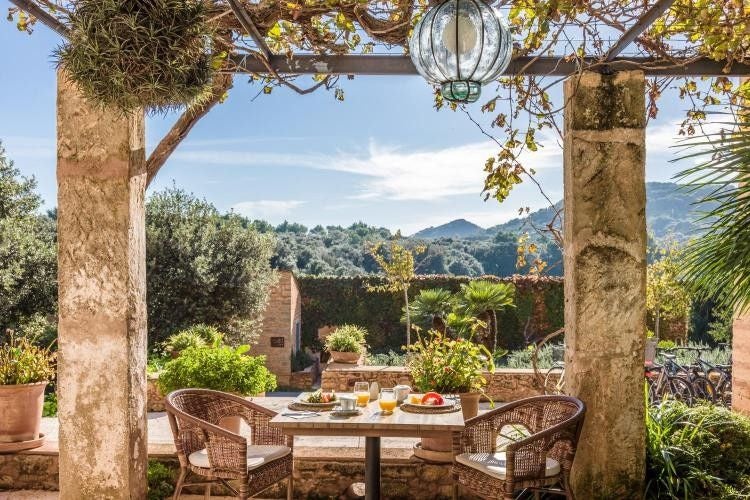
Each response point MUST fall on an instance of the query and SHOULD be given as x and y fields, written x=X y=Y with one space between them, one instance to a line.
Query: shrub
x=390 y=358
x=219 y=368
x=22 y=362
x=522 y=358
x=180 y=341
x=204 y=267
x=160 y=481
x=50 y=405
x=697 y=452
x=347 y=338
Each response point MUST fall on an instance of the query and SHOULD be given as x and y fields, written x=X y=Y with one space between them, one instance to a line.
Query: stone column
x=741 y=354
x=605 y=278
x=101 y=180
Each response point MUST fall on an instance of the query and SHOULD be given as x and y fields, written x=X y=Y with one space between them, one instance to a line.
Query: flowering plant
x=442 y=364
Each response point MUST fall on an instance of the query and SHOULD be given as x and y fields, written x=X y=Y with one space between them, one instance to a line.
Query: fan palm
x=433 y=305
x=482 y=298
x=717 y=264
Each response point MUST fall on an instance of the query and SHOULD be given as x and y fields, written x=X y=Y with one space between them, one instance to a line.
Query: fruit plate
x=447 y=402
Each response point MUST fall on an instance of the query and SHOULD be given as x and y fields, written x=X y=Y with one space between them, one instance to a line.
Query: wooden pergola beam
x=394 y=65
x=646 y=20
x=42 y=15
x=247 y=23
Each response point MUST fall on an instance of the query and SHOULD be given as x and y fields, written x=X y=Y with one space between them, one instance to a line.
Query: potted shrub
x=196 y=336
x=438 y=363
x=346 y=344
x=220 y=368
x=450 y=366
x=25 y=370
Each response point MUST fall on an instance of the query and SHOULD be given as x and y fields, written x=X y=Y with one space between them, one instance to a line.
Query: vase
x=21 y=412
x=351 y=358
x=470 y=404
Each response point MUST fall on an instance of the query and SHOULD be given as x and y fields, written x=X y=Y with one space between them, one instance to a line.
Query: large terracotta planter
x=470 y=404
x=21 y=412
x=351 y=358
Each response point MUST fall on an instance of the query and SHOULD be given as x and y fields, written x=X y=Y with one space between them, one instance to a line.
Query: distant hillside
x=459 y=228
x=670 y=214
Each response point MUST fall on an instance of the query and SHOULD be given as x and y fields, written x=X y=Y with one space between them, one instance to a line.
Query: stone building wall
x=281 y=318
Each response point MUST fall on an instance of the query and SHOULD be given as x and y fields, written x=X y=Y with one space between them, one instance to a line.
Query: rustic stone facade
x=504 y=384
x=282 y=322
x=605 y=278
x=101 y=178
x=741 y=364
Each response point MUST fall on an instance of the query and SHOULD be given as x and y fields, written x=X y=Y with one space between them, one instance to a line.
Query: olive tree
x=204 y=267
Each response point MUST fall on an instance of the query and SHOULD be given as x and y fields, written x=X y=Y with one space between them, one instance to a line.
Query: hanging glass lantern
x=460 y=45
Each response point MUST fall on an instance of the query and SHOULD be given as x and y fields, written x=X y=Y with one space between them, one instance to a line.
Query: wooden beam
x=247 y=23
x=388 y=65
x=42 y=15
x=646 y=20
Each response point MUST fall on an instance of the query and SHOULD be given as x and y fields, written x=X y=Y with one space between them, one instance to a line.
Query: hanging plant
x=152 y=54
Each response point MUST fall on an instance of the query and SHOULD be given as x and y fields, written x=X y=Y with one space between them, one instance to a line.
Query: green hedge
x=339 y=300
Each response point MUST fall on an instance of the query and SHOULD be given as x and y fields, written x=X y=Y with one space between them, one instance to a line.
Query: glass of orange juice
x=387 y=401
x=362 y=393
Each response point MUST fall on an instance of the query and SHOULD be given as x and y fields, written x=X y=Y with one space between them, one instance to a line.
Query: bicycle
x=697 y=376
x=664 y=383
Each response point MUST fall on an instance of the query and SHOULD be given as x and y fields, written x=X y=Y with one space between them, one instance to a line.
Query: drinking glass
x=362 y=392
x=387 y=401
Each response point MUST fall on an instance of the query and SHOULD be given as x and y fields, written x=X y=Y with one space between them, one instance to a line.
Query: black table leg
x=372 y=468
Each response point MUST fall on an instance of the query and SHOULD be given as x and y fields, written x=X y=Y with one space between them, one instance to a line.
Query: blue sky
x=383 y=156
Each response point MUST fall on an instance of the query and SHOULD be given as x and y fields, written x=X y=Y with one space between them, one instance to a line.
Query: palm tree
x=483 y=298
x=433 y=305
x=717 y=265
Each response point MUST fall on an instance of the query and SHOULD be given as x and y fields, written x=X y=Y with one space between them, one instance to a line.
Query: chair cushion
x=257 y=455
x=494 y=463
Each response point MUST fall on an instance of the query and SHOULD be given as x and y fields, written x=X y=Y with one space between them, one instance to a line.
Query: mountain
x=459 y=228
x=670 y=214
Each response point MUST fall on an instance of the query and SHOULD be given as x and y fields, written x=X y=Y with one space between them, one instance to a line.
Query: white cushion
x=257 y=455
x=494 y=463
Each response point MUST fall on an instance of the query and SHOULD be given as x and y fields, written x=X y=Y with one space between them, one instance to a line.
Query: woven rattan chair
x=527 y=444
x=216 y=455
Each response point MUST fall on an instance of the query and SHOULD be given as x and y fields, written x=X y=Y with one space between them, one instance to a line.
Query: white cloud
x=272 y=210
x=389 y=173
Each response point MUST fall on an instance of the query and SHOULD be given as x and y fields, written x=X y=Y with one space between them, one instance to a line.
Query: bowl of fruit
x=318 y=400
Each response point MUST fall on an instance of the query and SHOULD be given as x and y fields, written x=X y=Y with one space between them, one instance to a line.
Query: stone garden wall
x=504 y=384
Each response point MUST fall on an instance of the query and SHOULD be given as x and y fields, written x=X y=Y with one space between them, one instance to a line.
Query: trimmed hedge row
x=338 y=300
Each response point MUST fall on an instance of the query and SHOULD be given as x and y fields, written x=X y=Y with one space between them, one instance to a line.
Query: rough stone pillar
x=101 y=180
x=741 y=364
x=605 y=278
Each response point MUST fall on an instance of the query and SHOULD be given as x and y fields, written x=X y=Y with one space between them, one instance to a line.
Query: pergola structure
x=103 y=173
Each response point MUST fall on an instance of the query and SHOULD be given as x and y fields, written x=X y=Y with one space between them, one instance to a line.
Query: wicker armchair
x=537 y=455
x=216 y=455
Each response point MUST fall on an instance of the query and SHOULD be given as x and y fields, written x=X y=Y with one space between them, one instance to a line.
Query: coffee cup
x=348 y=403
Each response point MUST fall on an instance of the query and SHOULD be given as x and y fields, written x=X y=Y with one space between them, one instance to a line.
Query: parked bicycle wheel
x=703 y=389
x=554 y=380
x=680 y=390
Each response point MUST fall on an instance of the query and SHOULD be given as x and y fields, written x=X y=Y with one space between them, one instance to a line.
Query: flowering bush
x=442 y=364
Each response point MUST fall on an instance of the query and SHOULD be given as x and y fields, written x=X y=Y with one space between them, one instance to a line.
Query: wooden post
x=605 y=278
x=101 y=180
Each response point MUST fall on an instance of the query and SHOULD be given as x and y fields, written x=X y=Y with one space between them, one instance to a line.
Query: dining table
x=372 y=424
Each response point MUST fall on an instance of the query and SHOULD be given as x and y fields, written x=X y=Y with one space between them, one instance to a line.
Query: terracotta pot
x=438 y=450
x=21 y=411
x=351 y=358
x=470 y=404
